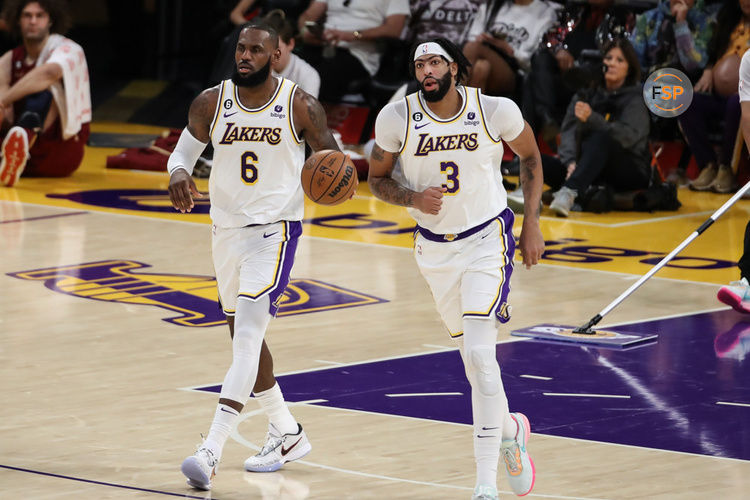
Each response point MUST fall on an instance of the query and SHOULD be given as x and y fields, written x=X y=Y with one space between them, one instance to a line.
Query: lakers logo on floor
x=194 y=297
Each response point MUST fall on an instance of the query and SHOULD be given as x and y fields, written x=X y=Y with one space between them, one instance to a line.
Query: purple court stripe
x=182 y=495
x=41 y=217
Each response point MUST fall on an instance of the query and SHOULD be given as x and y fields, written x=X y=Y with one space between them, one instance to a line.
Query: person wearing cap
x=449 y=140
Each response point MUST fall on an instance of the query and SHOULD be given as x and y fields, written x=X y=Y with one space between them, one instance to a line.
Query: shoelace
x=272 y=442
x=509 y=455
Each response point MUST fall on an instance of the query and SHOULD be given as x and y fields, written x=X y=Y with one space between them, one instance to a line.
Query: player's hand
x=430 y=200
x=582 y=111
x=182 y=189
x=531 y=242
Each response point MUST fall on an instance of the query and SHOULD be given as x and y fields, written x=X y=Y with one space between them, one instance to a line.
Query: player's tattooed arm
x=380 y=181
x=201 y=114
x=310 y=118
x=530 y=170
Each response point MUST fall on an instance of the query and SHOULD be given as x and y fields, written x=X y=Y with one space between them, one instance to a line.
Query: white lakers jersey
x=462 y=154
x=258 y=158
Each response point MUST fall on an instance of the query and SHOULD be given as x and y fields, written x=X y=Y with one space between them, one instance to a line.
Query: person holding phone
x=345 y=44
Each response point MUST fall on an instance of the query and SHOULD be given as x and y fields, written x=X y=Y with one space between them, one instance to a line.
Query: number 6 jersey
x=258 y=158
x=461 y=153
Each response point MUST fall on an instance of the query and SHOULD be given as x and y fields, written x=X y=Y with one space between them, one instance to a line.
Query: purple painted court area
x=670 y=388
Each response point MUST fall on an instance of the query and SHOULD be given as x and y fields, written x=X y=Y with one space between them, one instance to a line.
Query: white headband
x=431 y=48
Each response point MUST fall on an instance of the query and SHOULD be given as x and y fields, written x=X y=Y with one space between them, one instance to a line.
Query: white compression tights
x=488 y=401
x=250 y=322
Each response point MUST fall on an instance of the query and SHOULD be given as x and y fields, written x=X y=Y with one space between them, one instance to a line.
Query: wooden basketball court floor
x=112 y=346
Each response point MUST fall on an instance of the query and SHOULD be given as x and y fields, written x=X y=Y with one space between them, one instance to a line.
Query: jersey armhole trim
x=290 y=105
x=215 y=119
x=406 y=128
x=484 y=120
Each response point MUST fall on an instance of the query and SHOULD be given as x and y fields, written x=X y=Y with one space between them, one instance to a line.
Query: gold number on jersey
x=249 y=171
x=451 y=170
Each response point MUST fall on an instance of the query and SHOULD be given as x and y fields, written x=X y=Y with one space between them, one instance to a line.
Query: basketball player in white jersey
x=258 y=125
x=448 y=138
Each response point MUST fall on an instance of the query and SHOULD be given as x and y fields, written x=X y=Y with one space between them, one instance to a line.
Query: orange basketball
x=329 y=177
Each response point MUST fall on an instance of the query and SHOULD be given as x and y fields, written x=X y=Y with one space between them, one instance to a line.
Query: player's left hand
x=531 y=242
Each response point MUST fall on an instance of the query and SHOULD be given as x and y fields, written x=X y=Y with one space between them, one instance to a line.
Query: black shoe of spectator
x=30 y=120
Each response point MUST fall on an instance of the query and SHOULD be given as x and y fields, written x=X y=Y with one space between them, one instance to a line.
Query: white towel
x=73 y=94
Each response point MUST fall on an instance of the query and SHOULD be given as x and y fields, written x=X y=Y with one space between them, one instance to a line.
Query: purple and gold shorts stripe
x=499 y=306
x=284 y=262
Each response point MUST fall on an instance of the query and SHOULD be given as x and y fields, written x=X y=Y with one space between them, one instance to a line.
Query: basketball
x=329 y=177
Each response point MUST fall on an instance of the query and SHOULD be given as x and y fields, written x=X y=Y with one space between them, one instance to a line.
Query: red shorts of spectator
x=52 y=156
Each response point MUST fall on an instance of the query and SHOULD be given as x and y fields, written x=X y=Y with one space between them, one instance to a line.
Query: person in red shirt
x=45 y=97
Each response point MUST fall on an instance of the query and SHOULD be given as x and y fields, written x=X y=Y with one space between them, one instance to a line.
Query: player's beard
x=444 y=84
x=253 y=79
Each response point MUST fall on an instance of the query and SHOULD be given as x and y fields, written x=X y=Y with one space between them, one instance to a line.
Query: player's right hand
x=430 y=200
x=182 y=189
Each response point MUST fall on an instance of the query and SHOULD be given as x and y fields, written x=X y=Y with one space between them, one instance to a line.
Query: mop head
x=611 y=337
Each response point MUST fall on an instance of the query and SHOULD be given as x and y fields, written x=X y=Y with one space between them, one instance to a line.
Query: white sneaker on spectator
x=563 y=200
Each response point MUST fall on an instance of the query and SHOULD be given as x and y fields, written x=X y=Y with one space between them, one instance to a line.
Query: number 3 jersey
x=462 y=153
x=258 y=159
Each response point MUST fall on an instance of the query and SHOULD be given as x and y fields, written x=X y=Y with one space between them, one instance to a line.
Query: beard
x=253 y=79
x=444 y=84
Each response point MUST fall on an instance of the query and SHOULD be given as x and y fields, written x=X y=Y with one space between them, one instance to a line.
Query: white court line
x=733 y=404
x=583 y=395
x=537 y=377
x=323 y=361
x=244 y=442
x=418 y=394
x=437 y=346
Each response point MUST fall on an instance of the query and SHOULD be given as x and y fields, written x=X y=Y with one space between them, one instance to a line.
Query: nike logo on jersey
x=269 y=235
x=417 y=127
x=227 y=115
x=284 y=451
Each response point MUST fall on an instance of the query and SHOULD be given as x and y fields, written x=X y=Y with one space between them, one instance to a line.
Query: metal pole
x=586 y=329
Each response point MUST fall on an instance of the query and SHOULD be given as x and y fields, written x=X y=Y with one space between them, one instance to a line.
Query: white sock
x=224 y=420
x=488 y=402
x=273 y=404
x=510 y=427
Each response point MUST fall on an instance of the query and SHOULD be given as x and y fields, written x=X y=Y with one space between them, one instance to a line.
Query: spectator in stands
x=605 y=131
x=504 y=35
x=569 y=55
x=44 y=94
x=673 y=34
x=343 y=48
x=716 y=97
x=449 y=19
x=290 y=65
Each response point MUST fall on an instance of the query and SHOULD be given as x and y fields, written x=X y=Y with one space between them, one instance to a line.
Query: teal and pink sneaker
x=518 y=463
x=737 y=295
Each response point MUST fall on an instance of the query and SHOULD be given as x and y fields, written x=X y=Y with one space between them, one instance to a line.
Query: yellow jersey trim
x=217 y=112
x=263 y=107
x=429 y=114
x=484 y=122
x=408 y=123
x=290 y=118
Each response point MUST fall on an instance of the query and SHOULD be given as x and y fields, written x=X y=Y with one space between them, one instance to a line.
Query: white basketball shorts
x=253 y=261
x=469 y=275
